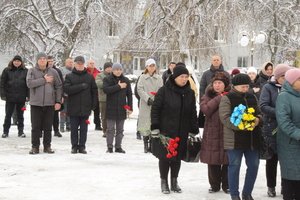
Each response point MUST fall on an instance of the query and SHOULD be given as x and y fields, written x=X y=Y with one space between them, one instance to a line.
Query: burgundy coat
x=212 y=149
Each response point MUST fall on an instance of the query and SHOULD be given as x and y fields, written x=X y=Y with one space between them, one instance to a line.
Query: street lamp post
x=252 y=39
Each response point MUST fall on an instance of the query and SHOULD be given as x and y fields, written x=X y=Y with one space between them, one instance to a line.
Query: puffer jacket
x=13 y=84
x=174 y=114
x=212 y=149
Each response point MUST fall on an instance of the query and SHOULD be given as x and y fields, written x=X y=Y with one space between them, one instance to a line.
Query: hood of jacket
x=286 y=87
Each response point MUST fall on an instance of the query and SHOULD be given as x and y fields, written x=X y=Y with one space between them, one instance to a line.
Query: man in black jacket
x=82 y=99
x=118 y=104
x=15 y=92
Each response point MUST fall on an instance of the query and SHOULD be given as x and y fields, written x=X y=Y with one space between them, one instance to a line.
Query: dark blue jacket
x=267 y=102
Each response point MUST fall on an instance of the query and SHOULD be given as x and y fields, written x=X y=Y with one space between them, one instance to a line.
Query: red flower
x=175 y=153
x=127 y=107
x=169 y=155
x=170 y=144
x=153 y=93
x=87 y=121
x=23 y=108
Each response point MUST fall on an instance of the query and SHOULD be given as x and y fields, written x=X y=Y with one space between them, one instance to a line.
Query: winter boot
x=247 y=197
x=34 y=150
x=174 y=185
x=146 y=144
x=57 y=134
x=271 y=192
x=164 y=186
x=48 y=150
x=21 y=134
x=138 y=135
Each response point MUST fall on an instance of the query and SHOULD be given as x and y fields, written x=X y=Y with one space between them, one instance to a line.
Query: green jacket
x=99 y=83
x=288 y=134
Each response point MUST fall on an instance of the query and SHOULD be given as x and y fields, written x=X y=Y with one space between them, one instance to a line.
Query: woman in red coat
x=212 y=150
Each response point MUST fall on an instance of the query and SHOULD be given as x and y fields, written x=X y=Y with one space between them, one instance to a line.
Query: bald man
x=216 y=66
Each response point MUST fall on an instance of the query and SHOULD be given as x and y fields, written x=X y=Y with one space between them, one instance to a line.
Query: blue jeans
x=252 y=162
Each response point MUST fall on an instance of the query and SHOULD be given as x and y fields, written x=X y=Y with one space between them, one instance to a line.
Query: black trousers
x=164 y=167
x=9 y=109
x=290 y=189
x=41 y=122
x=78 y=140
x=217 y=175
x=97 y=120
x=55 y=121
x=271 y=171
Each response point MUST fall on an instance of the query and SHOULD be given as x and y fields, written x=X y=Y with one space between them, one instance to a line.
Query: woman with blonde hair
x=147 y=86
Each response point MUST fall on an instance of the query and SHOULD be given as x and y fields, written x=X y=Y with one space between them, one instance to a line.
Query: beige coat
x=145 y=86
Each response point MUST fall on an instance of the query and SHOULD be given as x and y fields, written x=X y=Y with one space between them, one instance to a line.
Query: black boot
x=138 y=135
x=174 y=185
x=146 y=144
x=164 y=186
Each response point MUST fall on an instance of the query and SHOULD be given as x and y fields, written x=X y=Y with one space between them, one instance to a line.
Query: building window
x=242 y=61
x=112 y=27
x=164 y=62
x=219 y=33
x=138 y=63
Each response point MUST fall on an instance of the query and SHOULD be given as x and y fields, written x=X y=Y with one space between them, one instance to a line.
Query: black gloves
x=150 y=102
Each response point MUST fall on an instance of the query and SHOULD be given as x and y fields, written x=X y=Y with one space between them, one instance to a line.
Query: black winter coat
x=82 y=93
x=174 y=114
x=13 y=84
x=117 y=98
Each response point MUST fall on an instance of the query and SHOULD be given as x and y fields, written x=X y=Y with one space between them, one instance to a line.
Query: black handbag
x=201 y=119
x=265 y=150
x=193 y=149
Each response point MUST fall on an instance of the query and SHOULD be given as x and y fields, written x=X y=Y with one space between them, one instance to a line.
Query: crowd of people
x=243 y=113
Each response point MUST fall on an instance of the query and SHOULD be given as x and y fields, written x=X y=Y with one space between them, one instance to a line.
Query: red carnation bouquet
x=87 y=121
x=170 y=144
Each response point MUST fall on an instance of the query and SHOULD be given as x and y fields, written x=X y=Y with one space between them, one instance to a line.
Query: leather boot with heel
x=174 y=185
x=164 y=186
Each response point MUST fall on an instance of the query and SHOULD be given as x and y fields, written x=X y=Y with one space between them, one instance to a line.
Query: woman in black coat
x=173 y=115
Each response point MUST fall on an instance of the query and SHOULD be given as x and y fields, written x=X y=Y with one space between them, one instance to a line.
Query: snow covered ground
x=98 y=175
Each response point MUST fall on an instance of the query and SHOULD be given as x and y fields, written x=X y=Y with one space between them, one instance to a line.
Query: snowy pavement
x=98 y=175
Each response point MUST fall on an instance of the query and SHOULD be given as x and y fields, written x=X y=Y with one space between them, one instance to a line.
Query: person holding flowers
x=212 y=151
x=147 y=86
x=288 y=134
x=118 y=105
x=240 y=116
x=173 y=117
